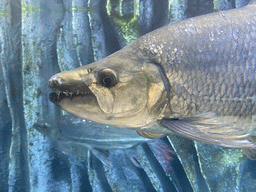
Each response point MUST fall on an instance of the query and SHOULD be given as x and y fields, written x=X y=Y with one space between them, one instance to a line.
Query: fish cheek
x=129 y=98
x=134 y=100
x=82 y=106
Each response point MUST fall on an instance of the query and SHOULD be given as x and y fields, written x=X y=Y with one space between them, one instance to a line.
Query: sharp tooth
x=77 y=92
x=66 y=93
x=58 y=94
x=71 y=94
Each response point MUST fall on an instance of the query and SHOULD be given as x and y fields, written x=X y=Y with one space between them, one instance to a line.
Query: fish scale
x=225 y=67
x=211 y=74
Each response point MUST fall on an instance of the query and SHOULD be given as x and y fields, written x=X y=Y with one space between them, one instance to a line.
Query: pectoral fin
x=209 y=129
x=102 y=155
x=149 y=135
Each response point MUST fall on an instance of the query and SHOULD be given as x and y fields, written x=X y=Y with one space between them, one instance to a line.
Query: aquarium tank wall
x=41 y=38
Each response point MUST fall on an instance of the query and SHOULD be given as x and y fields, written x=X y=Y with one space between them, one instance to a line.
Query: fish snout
x=56 y=85
x=55 y=81
x=67 y=85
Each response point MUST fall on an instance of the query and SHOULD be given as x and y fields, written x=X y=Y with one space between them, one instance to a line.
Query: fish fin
x=102 y=155
x=164 y=153
x=132 y=155
x=209 y=129
x=149 y=135
x=102 y=151
x=250 y=153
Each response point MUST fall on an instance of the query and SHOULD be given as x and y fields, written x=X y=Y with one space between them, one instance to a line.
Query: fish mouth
x=61 y=89
x=58 y=95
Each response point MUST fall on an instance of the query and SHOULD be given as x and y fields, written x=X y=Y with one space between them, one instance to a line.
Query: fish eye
x=107 y=78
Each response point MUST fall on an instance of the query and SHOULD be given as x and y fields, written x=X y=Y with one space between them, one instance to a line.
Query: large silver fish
x=196 y=77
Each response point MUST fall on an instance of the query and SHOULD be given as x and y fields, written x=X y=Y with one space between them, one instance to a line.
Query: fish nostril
x=54 y=83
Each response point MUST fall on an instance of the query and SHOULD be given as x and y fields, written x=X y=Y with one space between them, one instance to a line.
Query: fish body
x=70 y=128
x=75 y=136
x=196 y=77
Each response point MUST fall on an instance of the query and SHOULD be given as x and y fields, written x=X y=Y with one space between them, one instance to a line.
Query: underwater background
x=39 y=38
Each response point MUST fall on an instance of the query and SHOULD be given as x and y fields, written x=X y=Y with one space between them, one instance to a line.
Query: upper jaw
x=63 y=87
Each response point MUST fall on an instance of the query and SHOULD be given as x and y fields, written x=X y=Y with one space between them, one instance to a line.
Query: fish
x=92 y=135
x=75 y=136
x=195 y=78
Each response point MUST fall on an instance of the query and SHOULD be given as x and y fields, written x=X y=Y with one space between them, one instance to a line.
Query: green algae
x=126 y=23
x=75 y=8
x=28 y=7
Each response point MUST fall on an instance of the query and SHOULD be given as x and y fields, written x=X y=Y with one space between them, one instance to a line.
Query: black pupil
x=107 y=81
x=107 y=78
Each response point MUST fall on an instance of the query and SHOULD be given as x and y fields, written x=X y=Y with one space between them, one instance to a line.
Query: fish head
x=47 y=128
x=121 y=90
